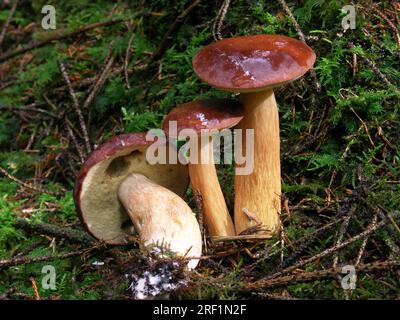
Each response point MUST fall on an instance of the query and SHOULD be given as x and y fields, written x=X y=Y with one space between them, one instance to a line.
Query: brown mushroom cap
x=205 y=115
x=253 y=63
x=104 y=170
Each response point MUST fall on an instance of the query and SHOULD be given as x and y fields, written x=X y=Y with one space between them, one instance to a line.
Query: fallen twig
x=165 y=42
x=371 y=64
x=58 y=36
x=300 y=33
x=247 y=237
x=75 y=142
x=29 y=108
x=371 y=228
x=35 y=288
x=28 y=186
x=304 y=245
x=100 y=81
x=363 y=245
x=27 y=260
x=315 y=275
x=342 y=232
x=220 y=19
x=76 y=106
x=127 y=59
x=270 y=296
x=7 y=23
x=390 y=23
x=73 y=236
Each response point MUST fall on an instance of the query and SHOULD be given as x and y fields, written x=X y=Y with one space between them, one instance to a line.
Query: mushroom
x=253 y=66
x=205 y=117
x=161 y=217
x=96 y=189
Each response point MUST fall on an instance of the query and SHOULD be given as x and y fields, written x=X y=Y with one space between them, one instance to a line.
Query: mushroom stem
x=259 y=192
x=204 y=180
x=161 y=217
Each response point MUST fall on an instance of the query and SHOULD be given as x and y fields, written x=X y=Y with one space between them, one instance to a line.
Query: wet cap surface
x=205 y=115
x=252 y=63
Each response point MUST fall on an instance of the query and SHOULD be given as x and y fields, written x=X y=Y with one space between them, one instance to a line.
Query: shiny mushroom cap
x=253 y=63
x=204 y=115
x=104 y=170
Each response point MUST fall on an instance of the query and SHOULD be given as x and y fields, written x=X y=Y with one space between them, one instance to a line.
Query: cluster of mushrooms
x=119 y=194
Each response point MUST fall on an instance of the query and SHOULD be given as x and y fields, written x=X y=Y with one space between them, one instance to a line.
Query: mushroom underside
x=101 y=211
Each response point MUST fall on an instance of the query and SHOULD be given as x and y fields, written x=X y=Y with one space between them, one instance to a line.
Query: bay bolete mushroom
x=204 y=118
x=96 y=189
x=253 y=66
x=161 y=217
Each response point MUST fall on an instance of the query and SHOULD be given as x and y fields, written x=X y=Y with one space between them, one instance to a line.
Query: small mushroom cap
x=96 y=188
x=253 y=63
x=203 y=115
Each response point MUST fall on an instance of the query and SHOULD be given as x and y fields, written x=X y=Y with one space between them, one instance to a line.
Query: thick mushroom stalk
x=202 y=117
x=161 y=217
x=205 y=184
x=259 y=192
x=252 y=66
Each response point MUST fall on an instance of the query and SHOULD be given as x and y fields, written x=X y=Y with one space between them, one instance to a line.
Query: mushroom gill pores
x=161 y=217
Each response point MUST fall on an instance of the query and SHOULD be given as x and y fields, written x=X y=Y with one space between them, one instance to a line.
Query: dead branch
x=28 y=186
x=364 y=244
x=219 y=20
x=165 y=42
x=390 y=23
x=303 y=241
x=7 y=23
x=29 y=108
x=371 y=64
x=58 y=36
x=99 y=83
x=127 y=59
x=75 y=142
x=300 y=33
x=370 y=229
x=321 y=274
x=73 y=236
x=76 y=106
x=342 y=232
x=27 y=260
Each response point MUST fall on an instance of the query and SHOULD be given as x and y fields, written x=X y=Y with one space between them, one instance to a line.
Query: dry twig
x=75 y=103
x=219 y=20
x=73 y=236
x=100 y=80
x=57 y=36
x=7 y=23
x=315 y=275
x=27 y=260
x=165 y=42
x=28 y=186
x=371 y=64
x=127 y=59
x=300 y=33
x=75 y=142
x=370 y=229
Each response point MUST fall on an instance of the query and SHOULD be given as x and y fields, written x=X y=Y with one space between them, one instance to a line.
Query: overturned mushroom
x=161 y=217
x=253 y=66
x=96 y=189
x=204 y=117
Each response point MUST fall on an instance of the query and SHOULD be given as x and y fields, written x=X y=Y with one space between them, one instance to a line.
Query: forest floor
x=127 y=63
